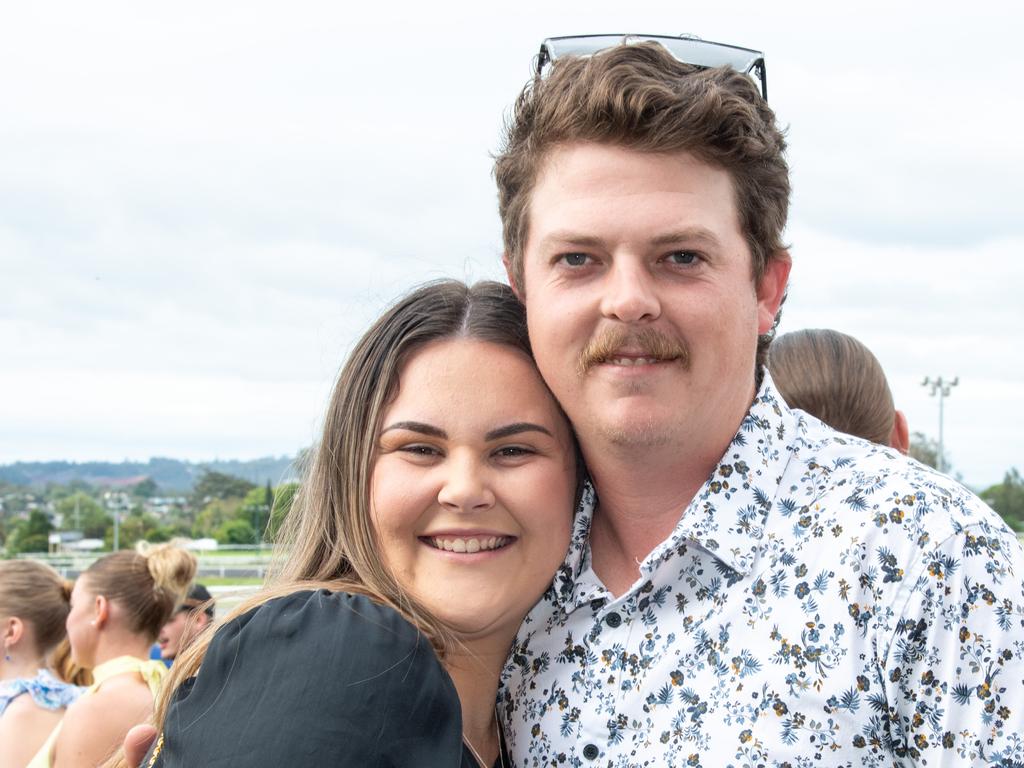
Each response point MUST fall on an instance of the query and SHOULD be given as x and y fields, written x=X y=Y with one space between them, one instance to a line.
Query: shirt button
x=613 y=619
x=591 y=751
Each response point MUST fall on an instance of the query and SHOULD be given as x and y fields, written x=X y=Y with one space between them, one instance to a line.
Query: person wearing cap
x=194 y=613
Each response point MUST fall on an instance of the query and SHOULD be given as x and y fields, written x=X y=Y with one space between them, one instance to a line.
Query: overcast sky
x=203 y=204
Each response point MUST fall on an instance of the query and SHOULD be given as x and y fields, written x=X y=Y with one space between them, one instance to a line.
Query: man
x=745 y=587
x=195 y=612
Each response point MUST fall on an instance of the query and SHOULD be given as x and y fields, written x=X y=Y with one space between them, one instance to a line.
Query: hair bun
x=172 y=567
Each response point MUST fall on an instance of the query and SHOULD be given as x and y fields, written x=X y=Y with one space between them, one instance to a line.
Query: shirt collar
x=726 y=517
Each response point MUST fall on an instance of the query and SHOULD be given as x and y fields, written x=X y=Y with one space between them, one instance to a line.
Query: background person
x=118 y=605
x=34 y=603
x=433 y=516
x=835 y=378
x=188 y=620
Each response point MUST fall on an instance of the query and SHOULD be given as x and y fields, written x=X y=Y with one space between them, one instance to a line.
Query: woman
x=837 y=379
x=117 y=608
x=435 y=512
x=33 y=608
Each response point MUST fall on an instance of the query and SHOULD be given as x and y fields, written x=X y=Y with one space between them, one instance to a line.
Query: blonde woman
x=33 y=608
x=435 y=513
x=117 y=608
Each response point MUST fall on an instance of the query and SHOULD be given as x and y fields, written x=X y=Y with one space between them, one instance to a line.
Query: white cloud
x=210 y=201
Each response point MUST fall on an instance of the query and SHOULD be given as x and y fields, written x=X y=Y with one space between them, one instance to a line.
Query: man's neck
x=642 y=495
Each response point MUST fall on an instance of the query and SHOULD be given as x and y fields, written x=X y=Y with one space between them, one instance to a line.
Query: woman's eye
x=513 y=452
x=420 y=450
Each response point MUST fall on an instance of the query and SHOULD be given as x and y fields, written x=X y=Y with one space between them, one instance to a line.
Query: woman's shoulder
x=315 y=672
x=321 y=619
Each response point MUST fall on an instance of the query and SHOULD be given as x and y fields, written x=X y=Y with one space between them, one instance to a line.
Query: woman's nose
x=465 y=487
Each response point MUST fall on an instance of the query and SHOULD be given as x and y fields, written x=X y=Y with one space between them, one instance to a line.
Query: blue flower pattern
x=823 y=601
x=45 y=689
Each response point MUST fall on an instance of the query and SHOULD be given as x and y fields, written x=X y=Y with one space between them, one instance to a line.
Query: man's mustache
x=646 y=342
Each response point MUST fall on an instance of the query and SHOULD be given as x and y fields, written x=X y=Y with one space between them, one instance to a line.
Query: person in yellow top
x=118 y=606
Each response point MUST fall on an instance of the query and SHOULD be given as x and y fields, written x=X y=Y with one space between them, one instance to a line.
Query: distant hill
x=169 y=474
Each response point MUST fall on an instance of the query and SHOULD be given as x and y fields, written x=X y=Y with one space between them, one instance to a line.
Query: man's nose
x=630 y=294
x=465 y=487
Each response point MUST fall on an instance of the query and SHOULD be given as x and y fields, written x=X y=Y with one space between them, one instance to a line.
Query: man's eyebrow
x=690 y=234
x=417 y=426
x=568 y=237
x=515 y=429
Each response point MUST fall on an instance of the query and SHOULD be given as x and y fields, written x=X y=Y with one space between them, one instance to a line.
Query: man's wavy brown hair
x=641 y=97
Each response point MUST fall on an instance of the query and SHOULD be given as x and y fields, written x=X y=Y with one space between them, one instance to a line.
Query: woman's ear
x=101 y=612
x=14 y=628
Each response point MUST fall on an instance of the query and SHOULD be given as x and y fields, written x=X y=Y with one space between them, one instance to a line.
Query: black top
x=317 y=678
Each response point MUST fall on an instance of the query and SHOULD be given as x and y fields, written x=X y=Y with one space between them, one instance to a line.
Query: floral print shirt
x=823 y=601
x=45 y=689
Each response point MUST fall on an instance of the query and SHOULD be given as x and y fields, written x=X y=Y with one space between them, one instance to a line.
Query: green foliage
x=1007 y=498
x=284 y=497
x=235 y=532
x=137 y=525
x=146 y=489
x=217 y=485
x=213 y=516
x=94 y=520
x=31 y=535
x=926 y=451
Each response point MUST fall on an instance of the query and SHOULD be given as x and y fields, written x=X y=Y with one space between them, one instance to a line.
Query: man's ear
x=900 y=437
x=771 y=289
x=516 y=288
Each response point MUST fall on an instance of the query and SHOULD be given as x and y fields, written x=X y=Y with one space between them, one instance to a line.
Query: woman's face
x=81 y=625
x=473 y=487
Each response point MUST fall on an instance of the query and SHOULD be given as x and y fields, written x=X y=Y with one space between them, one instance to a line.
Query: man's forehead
x=584 y=188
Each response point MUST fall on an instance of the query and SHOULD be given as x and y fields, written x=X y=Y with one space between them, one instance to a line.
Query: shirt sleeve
x=954 y=667
x=316 y=678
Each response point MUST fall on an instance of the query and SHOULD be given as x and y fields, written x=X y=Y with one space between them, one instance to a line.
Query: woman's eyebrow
x=515 y=429
x=417 y=426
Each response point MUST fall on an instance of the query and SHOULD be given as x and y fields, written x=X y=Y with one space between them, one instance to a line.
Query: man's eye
x=683 y=257
x=574 y=259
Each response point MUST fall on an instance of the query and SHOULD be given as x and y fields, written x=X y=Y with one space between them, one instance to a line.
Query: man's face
x=642 y=309
x=178 y=632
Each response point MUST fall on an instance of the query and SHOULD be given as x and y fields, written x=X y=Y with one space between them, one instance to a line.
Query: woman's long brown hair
x=327 y=540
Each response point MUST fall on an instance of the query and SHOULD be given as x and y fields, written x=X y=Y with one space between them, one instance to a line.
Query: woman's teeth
x=469 y=546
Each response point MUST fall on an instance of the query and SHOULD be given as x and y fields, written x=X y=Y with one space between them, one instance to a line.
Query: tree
x=284 y=497
x=1007 y=498
x=214 y=515
x=135 y=526
x=235 y=532
x=91 y=518
x=217 y=485
x=926 y=451
x=146 y=489
x=31 y=535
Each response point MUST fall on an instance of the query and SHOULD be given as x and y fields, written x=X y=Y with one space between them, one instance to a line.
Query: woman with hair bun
x=33 y=608
x=117 y=608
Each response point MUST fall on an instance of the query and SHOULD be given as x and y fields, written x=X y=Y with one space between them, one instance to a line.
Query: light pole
x=941 y=388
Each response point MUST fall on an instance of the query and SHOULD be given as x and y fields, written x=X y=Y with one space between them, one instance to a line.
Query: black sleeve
x=316 y=678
